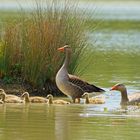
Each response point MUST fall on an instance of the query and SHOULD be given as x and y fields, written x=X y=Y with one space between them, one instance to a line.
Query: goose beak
x=113 y=88
x=61 y=49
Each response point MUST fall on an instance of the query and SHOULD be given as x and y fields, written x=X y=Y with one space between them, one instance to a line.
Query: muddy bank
x=18 y=88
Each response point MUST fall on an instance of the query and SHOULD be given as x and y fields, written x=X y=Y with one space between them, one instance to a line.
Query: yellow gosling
x=9 y=98
x=35 y=99
x=51 y=101
x=92 y=100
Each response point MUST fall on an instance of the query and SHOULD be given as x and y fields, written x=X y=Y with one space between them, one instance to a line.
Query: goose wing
x=84 y=85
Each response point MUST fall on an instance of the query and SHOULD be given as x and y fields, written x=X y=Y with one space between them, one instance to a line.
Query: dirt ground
x=18 y=89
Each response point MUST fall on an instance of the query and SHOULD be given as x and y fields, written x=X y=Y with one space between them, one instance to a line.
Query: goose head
x=2 y=91
x=65 y=48
x=119 y=87
x=85 y=95
x=49 y=96
x=25 y=94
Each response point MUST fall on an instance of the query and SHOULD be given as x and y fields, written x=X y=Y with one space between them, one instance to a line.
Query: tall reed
x=30 y=45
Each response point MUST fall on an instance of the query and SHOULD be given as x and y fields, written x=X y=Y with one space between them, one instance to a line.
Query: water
x=104 y=9
x=116 y=59
x=71 y=122
x=114 y=9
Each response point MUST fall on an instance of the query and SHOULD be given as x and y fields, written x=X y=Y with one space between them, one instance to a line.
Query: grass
x=29 y=44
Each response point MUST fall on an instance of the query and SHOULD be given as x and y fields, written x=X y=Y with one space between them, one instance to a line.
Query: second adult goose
x=133 y=99
x=71 y=85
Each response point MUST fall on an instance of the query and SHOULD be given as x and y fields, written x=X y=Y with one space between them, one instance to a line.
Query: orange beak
x=114 y=88
x=61 y=49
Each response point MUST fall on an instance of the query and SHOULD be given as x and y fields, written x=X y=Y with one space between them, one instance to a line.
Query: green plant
x=30 y=46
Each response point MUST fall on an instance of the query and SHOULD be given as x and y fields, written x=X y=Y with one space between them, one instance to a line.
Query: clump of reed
x=29 y=46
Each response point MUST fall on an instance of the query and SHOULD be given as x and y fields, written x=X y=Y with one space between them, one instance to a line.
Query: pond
x=116 y=59
x=71 y=122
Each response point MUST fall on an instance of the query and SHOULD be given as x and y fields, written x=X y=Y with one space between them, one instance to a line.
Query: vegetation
x=29 y=44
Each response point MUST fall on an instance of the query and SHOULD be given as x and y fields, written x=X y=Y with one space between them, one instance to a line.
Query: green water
x=116 y=59
x=71 y=122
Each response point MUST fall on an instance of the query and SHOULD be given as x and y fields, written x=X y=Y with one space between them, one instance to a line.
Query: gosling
x=92 y=100
x=51 y=101
x=35 y=99
x=5 y=98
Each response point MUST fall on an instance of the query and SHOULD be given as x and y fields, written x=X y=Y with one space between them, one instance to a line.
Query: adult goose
x=9 y=98
x=133 y=99
x=35 y=99
x=69 y=84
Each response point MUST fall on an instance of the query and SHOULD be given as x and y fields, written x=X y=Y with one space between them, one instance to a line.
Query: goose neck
x=67 y=59
x=124 y=96
x=50 y=100
x=27 y=99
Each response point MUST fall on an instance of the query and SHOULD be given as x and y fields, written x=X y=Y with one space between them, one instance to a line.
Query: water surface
x=72 y=122
x=116 y=59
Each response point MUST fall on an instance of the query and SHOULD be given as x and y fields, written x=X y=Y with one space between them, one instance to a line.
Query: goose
x=35 y=99
x=9 y=98
x=72 y=85
x=51 y=101
x=125 y=99
x=94 y=100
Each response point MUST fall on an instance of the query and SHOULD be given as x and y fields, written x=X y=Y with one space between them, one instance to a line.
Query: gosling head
x=49 y=96
x=24 y=94
x=85 y=95
x=2 y=91
x=119 y=87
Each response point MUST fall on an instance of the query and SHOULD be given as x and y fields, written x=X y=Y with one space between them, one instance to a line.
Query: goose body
x=35 y=99
x=133 y=99
x=69 y=84
x=92 y=100
x=58 y=101
x=9 y=98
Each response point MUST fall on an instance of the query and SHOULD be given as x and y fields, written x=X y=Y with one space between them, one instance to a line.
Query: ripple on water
x=126 y=41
